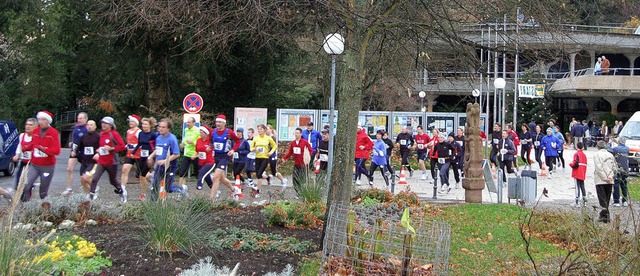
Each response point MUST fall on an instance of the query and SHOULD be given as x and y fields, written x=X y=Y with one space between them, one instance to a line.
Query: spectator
x=605 y=65
x=597 y=69
x=604 y=164
x=577 y=133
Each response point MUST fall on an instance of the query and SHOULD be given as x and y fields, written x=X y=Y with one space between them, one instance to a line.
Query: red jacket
x=204 y=154
x=45 y=147
x=422 y=141
x=581 y=172
x=363 y=140
x=107 y=138
x=296 y=149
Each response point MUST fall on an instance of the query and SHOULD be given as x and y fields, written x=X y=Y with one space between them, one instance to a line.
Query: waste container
x=529 y=179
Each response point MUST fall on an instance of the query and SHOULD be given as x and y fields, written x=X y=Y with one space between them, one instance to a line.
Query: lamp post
x=500 y=83
x=333 y=45
x=423 y=108
x=475 y=93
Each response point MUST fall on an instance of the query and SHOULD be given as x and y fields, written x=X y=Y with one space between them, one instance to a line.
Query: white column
x=572 y=63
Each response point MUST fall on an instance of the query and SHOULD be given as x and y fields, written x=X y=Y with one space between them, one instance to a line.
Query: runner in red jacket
x=363 y=151
x=110 y=143
x=45 y=148
x=297 y=150
x=579 y=172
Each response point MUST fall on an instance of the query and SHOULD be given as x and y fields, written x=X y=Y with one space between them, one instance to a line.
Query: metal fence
x=371 y=241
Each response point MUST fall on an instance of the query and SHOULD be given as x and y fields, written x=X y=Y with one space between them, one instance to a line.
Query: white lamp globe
x=422 y=94
x=475 y=92
x=499 y=83
x=333 y=44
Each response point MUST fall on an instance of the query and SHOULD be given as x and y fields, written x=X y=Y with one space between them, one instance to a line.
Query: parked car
x=9 y=140
x=631 y=131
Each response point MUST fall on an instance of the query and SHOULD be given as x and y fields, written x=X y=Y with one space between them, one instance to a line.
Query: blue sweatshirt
x=314 y=137
x=240 y=156
x=379 y=153
x=547 y=144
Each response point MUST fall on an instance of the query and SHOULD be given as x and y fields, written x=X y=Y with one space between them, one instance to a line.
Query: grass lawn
x=634 y=188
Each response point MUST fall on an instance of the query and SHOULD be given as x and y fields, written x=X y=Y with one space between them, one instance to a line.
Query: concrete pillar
x=592 y=55
x=632 y=59
x=572 y=63
x=614 y=101
x=431 y=101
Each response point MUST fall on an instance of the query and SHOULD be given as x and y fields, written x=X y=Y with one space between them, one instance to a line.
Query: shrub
x=406 y=200
x=312 y=189
x=71 y=255
x=251 y=240
x=172 y=226
x=373 y=193
x=295 y=214
x=75 y=207
x=205 y=267
x=370 y=202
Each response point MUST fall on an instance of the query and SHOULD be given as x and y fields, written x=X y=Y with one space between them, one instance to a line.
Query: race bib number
x=202 y=155
x=26 y=155
x=39 y=153
x=504 y=151
x=461 y=143
x=103 y=151
x=236 y=155
x=74 y=146
x=420 y=146
x=218 y=146
x=553 y=145
x=495 y=141
x=144 y=153
x=324 y=157
x=88 y=151
x=403 y=142
x=251 y=155
x=536 y=143
x=260 y=150
x=297 y=150
x=441 y=160
x=159 y=151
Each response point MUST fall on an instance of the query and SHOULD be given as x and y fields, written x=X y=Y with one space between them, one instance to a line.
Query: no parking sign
x=193 y=103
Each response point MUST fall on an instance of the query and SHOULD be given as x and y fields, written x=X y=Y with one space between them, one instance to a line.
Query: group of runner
x=152 y=149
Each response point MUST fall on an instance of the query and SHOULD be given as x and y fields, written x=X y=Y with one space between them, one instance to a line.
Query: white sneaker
x=252 y=186
x=185 y=189
x=217 y=194
x=123 y=195
x=284 y=182
x=616 y=204
x=625 y=204
x=67 y=192
x=448 y=189
x=358 y=183
x=424 y=176
x=457 y=185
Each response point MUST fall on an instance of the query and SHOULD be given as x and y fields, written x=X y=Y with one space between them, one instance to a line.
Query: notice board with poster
x=324 y=120
x=444 y=122
x=289 y=119
x=248 y=117
x=372 y=121
x=410 y=119
x=462 y=120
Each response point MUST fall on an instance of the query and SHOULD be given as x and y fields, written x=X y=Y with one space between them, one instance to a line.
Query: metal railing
x=561 y=27
x=612 y=72
x=67 y=117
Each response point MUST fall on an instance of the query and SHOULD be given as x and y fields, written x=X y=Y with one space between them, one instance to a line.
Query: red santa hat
x=135 y=118
x=205 y=129
x=221 y=118
x=45 y=115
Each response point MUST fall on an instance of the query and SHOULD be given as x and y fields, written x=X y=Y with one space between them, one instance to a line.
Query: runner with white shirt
x=23 y=151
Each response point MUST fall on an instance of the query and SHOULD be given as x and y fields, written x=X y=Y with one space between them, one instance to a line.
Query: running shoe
x=252 y=186
x=371 y=183
x=625 y=204
x=218 y=194
x=92 y=196
x=284 y=182
x=448 y=189
x=67 y=192
x=123 y=195
x=410 y=173
x=358 y=183
x=458 y=185
x=424 y=176
x=184 y=191
x=616 y=204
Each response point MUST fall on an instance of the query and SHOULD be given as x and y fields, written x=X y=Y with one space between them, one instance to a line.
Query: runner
x=88 y=145
x=24 y=149
x=455 y=158
x=422 y=139
x=250 y=166
x=441 y=151
x=362 y=153
x=78 y=131
x=189 y=157
x=537 y=142
x=166 y=153
x=323 y=151
x=46 y=146
x=313 y=137
x=550 y=144
x=379 y=157
x=506 y=154
x=459 y=139
x=273 y=161
x=133 y=154
x=107 y=159
x=516 y=142
x=433 y=155
x=146 y=146
x=204 y=152
x=526 y=139
x=495 y=138
x=240 y=156
x=222 y=140
x=389 y=144
x=297 y=150
x=406 y=142
x=579 y=173
x=560 y=147
x=264 y=147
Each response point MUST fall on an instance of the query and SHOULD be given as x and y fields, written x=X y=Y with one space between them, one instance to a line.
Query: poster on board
x=462 y=120
x=290 y=119
x=248 y=117
x=372 y=121
x=325 y=120
x=409 y=119
x=443 y=122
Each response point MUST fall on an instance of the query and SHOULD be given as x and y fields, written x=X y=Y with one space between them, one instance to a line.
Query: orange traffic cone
x=237 y=188
x=317 y=166
x=163 y=191
x=403 y=179
x=543 y=170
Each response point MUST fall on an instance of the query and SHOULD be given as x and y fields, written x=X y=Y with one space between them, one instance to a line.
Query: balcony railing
x=612 y=72
x=560 y=27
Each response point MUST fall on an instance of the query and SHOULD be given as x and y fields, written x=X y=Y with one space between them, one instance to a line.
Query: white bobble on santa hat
x=45 y=115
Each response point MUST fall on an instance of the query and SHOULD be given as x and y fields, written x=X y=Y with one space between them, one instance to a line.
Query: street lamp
x=423 y=108
x=475 y=93
x=334 y=45
x=500 y=83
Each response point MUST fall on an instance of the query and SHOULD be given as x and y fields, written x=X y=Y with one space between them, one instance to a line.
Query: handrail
x=566 y=27
x=612 y=72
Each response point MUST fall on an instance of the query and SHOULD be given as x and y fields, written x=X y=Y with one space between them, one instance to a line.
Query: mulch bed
x=129 y=257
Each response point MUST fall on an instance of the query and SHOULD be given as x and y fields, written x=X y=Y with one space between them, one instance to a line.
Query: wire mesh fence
x=366 y=241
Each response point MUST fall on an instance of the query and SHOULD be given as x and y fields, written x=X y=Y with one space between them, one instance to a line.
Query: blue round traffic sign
x=193 y=103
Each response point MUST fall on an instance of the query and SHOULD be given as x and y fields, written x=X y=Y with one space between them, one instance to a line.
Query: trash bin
x=529 y=186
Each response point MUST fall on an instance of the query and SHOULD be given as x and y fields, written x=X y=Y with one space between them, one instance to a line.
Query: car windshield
x=631 y=130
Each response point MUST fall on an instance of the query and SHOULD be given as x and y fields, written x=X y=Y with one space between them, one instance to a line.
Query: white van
x=631 y=131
